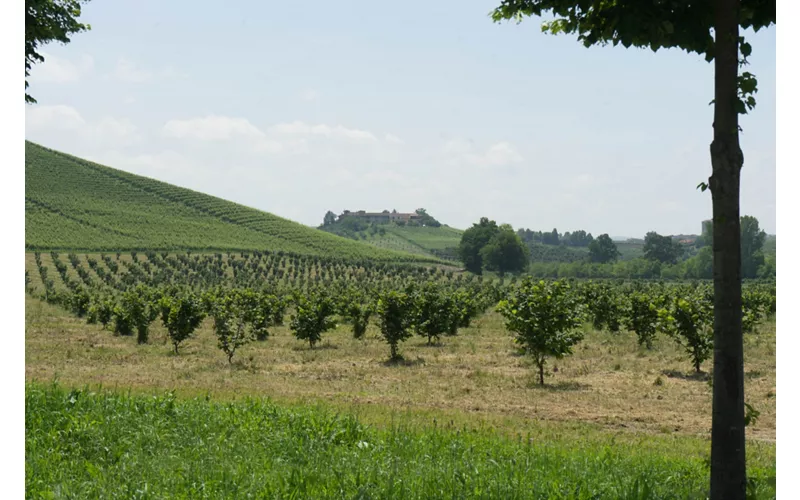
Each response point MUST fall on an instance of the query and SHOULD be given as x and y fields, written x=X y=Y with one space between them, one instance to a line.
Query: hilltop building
x=384 y=217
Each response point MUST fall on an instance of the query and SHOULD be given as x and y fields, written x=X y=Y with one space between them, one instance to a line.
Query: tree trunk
x=728 y=474
x=541 y=372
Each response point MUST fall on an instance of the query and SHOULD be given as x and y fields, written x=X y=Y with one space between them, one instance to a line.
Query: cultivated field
x=74 y=204
x=461 y=414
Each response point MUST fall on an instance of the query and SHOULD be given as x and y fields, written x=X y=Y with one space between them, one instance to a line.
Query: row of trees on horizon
x=487 y=246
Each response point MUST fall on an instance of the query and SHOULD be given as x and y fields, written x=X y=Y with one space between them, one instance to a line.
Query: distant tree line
x=578 y=238
x=664 y=257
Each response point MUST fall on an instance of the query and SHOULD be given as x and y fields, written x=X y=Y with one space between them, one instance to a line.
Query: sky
x=297 y=108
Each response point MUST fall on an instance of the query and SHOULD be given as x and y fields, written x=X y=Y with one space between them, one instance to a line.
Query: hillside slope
x=73 y=204
x=433 y=242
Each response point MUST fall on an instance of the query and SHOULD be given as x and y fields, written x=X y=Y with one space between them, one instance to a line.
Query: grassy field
x=464 y=418
x=87 y=444
x=73 y=204
x=609 y=382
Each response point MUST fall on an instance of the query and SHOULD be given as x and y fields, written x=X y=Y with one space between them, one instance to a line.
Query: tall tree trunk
x=728 y=474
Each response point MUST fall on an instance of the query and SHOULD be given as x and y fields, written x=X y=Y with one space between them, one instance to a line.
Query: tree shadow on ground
x=562 y=386
x=319 y=347
x=434 y=345
x=400 y=361
x=700 y=377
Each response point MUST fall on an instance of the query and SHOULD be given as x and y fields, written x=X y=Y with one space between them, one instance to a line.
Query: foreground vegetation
x=73 y=204
x=87 y=444
x=626 y=415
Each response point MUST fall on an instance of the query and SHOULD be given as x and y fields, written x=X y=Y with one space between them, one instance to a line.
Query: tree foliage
x=329 y=219
x=313 y=316
x=661 y=248
x=642 y=316
x=504 y=252
x=435 y=312
x=602 y=249
x=472 y=242
x=395 y=311
x=688 y=319
x=49 y=21
x=181 y=315
x=545 y=317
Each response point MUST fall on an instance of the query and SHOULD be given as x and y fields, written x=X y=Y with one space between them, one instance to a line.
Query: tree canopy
x=661 y=248
x=603 y=249
x=48 y=21
x=473 y=240
x=504 y=252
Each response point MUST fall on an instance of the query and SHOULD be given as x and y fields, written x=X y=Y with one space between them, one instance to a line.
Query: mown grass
x=609 y=382
x=73 y=204
x=98 y=444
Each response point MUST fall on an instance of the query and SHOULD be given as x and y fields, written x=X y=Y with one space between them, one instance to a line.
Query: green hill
x=433 y=242
x=74 y=204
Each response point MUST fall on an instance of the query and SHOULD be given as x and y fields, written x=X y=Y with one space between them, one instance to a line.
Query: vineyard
x=74 y=204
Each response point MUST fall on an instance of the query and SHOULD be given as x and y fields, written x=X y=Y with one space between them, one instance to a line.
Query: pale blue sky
x=301 y=107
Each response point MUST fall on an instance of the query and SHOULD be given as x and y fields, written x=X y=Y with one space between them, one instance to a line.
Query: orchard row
x=247 y=295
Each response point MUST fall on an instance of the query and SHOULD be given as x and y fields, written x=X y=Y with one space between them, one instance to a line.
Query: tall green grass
x=83 y=444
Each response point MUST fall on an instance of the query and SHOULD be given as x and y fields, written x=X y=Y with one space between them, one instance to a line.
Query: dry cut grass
x=477 y=376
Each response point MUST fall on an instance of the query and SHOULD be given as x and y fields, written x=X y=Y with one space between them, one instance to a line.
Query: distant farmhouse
x=384 y=217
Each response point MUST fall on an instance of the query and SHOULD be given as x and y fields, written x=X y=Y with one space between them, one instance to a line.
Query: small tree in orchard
x=435 y=312
x=134 y=311
x=689 y=320
x=267 y=312
x=642 y=317
x=101 y=310
x=358 y=315
x=545 y=317
x=181 y=315
x=604 y=306
x=230 y=326
x=395 y=312
x=312 y=318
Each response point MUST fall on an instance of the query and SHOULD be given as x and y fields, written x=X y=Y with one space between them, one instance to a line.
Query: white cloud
x=338 y=131
x=211 y=128
x=64 y=123
x=393 y=139
x=310 y=95
x=165 y=164
x=57 y=117
x=501 y=154
x=464 y=152
x=129 y=72
x=55 y=69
